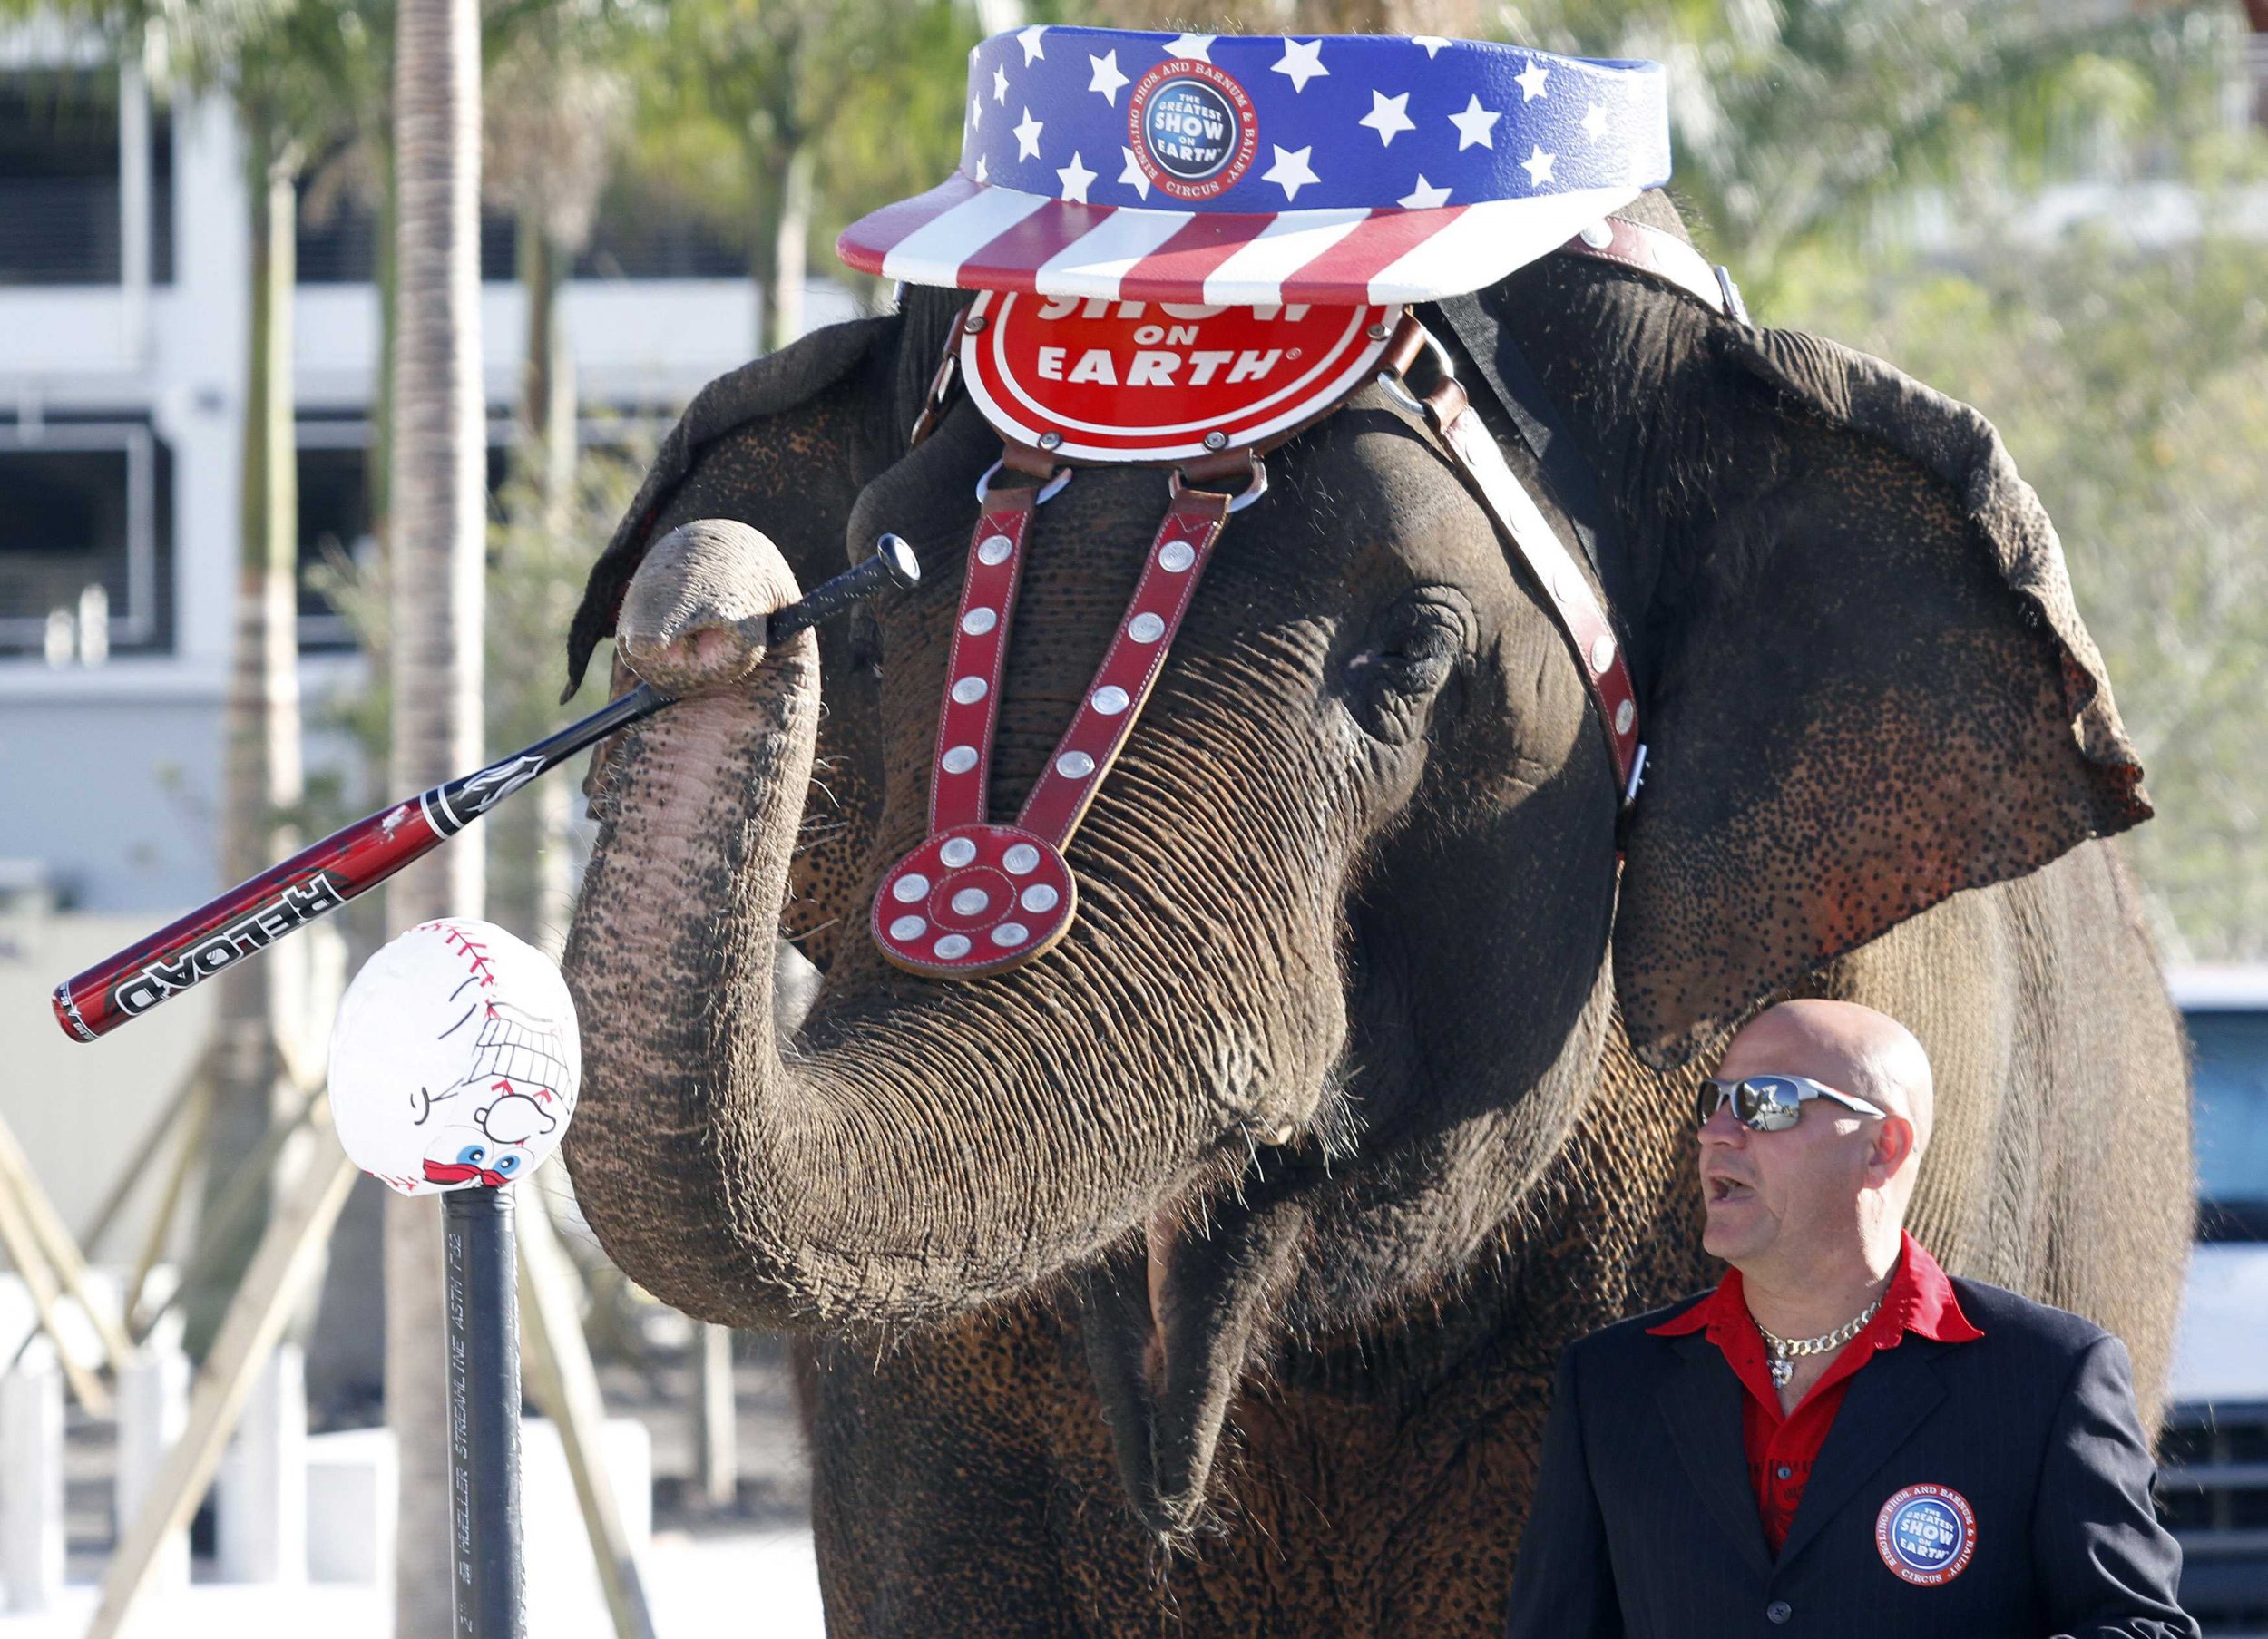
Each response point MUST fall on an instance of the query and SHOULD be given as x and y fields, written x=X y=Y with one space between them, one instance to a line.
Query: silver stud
x=959 y=760
x=1038 y=899
x=1021 y=859
x=995 y=549
x=1602 y=652
x=1599 y=234
x=973 y=323
x=1377 y=332
x=1146 y=629
x=908 y=889
x=1010 y=934
x=978 y=622
x=1176 y=556
x=1110 y=699
x=970 y=690
x=1626 y=714
x=971 y=901
x=1074 y=764
x=1216 y=440
x=952 y=947
x=908 y=927
x=1050 y=441
x=957 y=851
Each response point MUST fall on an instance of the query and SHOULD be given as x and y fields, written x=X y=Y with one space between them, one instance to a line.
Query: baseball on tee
x=454 y=1061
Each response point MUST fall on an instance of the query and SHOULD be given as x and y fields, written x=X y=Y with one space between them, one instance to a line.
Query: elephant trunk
x=920 y=1151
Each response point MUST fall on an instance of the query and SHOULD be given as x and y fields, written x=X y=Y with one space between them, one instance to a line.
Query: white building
x=124 y=303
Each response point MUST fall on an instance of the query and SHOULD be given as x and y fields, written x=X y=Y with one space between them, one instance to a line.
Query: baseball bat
x=349 y=862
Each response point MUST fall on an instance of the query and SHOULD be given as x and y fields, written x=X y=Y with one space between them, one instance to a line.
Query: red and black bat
x=347 y=864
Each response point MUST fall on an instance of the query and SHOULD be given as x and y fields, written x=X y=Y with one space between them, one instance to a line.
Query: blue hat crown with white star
x=1248 y=124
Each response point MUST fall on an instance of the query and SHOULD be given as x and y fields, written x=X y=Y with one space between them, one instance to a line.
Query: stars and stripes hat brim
x=1238 y=169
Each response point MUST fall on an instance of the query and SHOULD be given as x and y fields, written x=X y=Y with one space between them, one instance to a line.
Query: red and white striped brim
x=966 y=235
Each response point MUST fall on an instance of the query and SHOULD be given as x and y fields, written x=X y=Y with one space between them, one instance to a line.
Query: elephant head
x=1358 y=904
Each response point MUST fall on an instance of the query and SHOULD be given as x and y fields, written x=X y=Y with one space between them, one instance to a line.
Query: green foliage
x=2133 y=390
x=533 y=586
x=727 y=90
x=1799 y=121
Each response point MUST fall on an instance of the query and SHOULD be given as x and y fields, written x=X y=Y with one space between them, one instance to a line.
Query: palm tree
x=436 y=537
x=300 y=76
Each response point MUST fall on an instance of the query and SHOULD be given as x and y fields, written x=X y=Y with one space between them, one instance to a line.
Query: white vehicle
x=2215 y=1453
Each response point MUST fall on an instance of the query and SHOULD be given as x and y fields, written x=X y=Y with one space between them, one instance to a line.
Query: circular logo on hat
x=1926 y=1535
x=1191 y=128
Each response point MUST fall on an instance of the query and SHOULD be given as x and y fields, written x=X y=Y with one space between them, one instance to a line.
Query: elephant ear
x=794 y=378
x=1874 y=690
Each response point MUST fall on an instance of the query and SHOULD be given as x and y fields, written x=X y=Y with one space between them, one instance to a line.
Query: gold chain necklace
x=1785 y=1351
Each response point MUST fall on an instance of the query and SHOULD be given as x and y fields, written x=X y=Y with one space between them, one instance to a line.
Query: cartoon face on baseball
x=454 y=1061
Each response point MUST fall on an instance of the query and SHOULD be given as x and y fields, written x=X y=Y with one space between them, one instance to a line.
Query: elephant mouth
x=1172 y=1317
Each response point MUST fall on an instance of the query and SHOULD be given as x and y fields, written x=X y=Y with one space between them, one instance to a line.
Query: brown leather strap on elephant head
x=1574 y=602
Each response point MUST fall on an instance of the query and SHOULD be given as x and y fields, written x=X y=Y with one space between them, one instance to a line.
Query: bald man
x=1839 y=1439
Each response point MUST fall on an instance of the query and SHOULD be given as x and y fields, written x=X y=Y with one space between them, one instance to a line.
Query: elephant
x=1206 y=1273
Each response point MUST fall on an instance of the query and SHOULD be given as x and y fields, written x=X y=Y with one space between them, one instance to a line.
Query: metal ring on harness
x=1252 y=491
x=1391 y=379
x=1048 y=491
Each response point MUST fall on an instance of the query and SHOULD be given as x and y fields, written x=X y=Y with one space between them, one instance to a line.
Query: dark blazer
x=1645 y=1523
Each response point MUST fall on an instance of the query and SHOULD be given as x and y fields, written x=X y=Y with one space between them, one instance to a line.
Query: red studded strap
x=1129 y=669
x=977 y=897
x=962 y=775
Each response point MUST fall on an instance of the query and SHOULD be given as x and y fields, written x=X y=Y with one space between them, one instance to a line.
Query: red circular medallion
x=973 y=900
x=1160 y=381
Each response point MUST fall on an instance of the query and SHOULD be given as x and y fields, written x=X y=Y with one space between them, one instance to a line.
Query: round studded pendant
x=978 y=897
x=974 y=899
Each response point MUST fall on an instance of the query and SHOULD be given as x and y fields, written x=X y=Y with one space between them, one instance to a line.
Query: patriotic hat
x=1252 y=170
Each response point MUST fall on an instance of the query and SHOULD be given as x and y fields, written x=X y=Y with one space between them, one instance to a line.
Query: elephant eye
x=1406 y=659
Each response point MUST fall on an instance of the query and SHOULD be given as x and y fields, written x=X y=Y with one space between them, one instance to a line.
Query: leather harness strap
x=1568 y=475
x=980 y=897
x=1472 y=450
x=960 y=779
x=1662 y=256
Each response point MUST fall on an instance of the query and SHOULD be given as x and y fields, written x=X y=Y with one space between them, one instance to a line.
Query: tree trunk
x=2256 y=60
x=547 y=375
x=439 y=529
x=791 y=241
x=262 y=778
x=379 y=459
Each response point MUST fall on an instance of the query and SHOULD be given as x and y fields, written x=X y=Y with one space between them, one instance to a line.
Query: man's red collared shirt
x=1781 y=1449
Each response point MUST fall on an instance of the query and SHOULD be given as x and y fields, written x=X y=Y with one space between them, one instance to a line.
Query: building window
x=334 y=517
x=334 y=523
x=84 y=505
x=642 y=232
x=60 y=185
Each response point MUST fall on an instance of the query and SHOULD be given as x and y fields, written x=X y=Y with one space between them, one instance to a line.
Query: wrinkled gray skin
x=1205 y=1276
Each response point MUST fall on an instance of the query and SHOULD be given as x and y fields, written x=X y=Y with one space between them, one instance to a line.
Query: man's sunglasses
x=1769 y=1103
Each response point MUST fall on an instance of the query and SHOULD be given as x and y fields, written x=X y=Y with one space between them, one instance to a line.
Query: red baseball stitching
x=473 y=950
